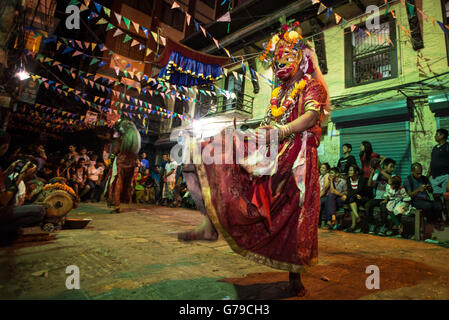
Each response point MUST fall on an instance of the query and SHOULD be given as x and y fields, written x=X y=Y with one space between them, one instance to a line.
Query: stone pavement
x=136 y=255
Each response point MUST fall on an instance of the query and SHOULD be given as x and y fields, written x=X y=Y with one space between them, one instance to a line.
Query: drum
x=58 y=203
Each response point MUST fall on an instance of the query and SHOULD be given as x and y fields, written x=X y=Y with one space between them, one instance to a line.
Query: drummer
x=13 y=218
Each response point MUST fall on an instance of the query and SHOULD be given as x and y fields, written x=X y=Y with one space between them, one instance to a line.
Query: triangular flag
x=98 y=6
x=145 y=30
x=411 y=9
x=216 y=43
x=136 y=26
x=134 y=43
x=154 y=34
x=126 y=21
x=163 y=40
x=119 y=17
x=109 y=27
x=225 y=18
x=328 y=13
x=102 y=21
x=188 y=16
x=127 y=38
x=337 y=18
x=204 y=30
x=148 y=52
x=352 y=27
x=107 y=11
x=442 y=26
x=117 y=32
x=321 y=8
x=175 y=5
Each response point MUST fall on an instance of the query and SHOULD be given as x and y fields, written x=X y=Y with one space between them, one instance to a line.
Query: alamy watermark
x=232 y=146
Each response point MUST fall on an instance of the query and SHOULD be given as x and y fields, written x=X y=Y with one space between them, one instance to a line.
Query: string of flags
x=79 y=96
x=412 y=9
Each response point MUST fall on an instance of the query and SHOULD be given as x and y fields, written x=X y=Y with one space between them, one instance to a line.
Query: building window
x=209 y=3
x=126 y=50
x=206 y=104
x=235 y=84
x=445 y=5
x=367 y=58
x=172 y=17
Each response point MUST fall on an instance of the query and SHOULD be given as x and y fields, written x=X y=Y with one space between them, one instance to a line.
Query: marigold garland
x=279 y=111
x=60 y=186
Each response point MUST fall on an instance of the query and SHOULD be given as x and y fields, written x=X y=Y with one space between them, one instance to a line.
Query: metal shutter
x=443 y=123
x=391 y=140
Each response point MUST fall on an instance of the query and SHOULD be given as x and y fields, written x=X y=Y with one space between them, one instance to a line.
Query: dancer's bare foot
x=295 y=285
x=197 y=235
x=205 y=231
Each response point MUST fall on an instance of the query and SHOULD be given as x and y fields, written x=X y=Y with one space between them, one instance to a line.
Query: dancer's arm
x=302 y=123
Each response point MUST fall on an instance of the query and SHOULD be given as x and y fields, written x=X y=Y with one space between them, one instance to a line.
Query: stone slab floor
x=136 y=255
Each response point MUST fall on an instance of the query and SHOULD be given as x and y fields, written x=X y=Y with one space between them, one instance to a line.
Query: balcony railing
x=242 y=103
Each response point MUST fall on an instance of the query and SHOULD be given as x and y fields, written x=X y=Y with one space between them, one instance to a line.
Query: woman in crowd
x=358 y=194
x=366 y=157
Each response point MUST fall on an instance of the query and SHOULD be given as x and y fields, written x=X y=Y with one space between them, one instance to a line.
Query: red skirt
x=264 y=218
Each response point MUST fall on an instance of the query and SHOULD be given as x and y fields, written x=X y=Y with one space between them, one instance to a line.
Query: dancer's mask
x=289 y=53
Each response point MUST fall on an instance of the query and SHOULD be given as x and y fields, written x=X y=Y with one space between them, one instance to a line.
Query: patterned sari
x=271 y=219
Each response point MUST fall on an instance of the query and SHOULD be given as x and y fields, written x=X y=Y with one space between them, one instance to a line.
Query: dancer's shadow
x=263 y=291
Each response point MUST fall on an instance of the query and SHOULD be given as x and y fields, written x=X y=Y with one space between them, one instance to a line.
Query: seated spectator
x=46 y=173
x=358 y=194
x=142 y=191
x=420 y=190
x=324 y=188
x=78 y=178
x=63 y=170
x=379 y=180
x=336 y=196
x=71 y=156
x=13 y=218
x=83 y=155
x=397 y=202
x=95 y=179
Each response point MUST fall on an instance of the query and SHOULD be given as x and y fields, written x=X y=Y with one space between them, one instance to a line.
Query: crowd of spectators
x=379 y=202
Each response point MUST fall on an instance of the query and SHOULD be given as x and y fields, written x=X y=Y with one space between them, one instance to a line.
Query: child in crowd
x=397 y=202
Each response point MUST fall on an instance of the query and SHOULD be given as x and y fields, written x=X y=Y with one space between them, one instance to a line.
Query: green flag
x=411 y=9
x=110 y=26
x=127 y=38
x=127 y=22
x=94 y=60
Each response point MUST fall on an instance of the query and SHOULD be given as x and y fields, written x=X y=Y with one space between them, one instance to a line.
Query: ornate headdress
x=290 y=37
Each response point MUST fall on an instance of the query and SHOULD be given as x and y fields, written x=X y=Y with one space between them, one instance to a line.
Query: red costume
x=272 y=219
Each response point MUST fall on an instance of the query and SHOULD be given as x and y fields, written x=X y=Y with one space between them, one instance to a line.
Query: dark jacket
x=362 y=188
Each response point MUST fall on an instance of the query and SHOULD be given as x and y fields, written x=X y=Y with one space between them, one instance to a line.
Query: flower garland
x=286 y=104
x=60 y=186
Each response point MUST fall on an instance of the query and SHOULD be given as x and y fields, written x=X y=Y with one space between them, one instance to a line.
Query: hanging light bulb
x=22 y=74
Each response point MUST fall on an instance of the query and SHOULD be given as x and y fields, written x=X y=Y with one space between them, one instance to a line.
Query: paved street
x=136 y=255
